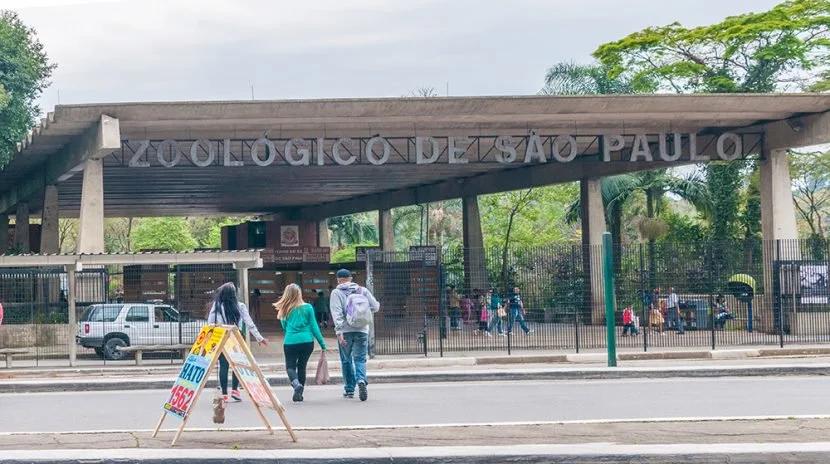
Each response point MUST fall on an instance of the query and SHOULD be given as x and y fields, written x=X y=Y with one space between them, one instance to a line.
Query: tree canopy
x=753 y=52
x=24 y=74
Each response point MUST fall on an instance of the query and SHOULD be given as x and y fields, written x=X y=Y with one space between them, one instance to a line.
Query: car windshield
x=101 y=313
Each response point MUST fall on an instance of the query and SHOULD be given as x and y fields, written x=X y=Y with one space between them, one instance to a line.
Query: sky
x=173 y=50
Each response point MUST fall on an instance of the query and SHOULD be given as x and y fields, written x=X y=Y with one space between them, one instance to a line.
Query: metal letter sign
x=535 y=148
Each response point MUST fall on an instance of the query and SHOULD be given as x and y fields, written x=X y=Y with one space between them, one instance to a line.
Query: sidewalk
x=777 y=440
x=442 y=370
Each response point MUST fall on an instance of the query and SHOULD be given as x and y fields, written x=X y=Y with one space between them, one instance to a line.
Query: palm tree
x=655 y=185
x=569 y=78
x=353 y=229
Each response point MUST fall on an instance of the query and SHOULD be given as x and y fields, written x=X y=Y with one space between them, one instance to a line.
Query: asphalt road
x=446 y=403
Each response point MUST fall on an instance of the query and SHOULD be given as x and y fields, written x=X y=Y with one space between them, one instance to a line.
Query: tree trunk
x=505 y=250
x=652 y=260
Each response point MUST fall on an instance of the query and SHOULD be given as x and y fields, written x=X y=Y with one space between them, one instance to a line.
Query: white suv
x=107 y=327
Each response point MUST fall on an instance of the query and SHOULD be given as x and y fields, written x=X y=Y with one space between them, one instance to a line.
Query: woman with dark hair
x=228 y=310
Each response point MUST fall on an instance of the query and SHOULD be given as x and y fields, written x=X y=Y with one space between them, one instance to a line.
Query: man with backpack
x=352 y=308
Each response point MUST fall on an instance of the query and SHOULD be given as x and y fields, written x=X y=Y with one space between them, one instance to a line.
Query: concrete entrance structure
x=315 y=159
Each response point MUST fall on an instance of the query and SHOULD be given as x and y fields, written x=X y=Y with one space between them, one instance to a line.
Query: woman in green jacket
x=301 y=329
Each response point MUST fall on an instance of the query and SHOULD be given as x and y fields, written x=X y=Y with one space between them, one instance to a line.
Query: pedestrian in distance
x=495 y=307
x=352 y=308
x=517 y=311
x=674 y=312
x=228 y=310
x=629 y=322
x=301 y=329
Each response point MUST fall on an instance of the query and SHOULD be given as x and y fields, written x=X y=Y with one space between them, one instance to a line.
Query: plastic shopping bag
x=322 y=377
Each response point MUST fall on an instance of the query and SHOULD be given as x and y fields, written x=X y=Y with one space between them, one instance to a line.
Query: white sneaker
x=488 y=334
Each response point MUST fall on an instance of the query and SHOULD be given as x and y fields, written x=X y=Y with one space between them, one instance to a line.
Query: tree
x=568 y=78
x=68 y=235
x=754 y=52
x=353 y=229
x=811 y=180
x=118 y=234
x=24 y=73
x=165 y=234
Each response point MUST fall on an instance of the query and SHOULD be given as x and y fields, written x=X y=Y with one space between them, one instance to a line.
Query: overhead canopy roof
x=251 y=189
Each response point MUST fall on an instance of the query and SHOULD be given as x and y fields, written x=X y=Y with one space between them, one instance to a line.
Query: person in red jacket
x=1 y=313
x=628 y=322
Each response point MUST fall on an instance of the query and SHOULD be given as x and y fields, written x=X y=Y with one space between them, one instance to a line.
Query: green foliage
x=753 y=52
x=353 y=229
x=683 y=229
x=118 y=233
x=348 y=254
x=24 y=74
x=168 y=234
x=568 y=78
x=724 y=181
x=539 y=221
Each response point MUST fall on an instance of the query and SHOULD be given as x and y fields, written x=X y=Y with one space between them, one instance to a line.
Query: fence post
x=711 y=282
x=72 y=317
x=646 y=310
x=608 y=271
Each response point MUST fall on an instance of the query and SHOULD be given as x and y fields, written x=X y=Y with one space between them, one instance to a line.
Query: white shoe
x=488 y=334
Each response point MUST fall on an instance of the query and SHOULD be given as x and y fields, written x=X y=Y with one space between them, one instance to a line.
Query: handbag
x=502 y=312
x=322 y=376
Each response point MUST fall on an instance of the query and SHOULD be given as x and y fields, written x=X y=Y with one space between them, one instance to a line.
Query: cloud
x=216 y=49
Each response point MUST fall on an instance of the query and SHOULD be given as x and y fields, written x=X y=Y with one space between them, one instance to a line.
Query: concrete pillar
x=91 y=221
x=386 y=230
x=323 y=234
x=49 y=239
x=592 y=213
x=779 y=232
x=244 y=295
x=21 y=227
x=475 y=269
x=4 y=234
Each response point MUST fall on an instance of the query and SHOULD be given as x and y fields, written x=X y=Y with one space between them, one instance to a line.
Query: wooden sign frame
x=239 y=356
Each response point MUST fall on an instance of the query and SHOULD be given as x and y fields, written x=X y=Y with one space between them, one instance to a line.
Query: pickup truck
x=107 y=327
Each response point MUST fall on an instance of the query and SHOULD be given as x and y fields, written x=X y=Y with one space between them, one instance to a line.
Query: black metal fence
x=680 y=295
x=116 y=307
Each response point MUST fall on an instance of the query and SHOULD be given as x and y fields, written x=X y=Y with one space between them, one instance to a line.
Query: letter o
x=272 y=152
x=174 y=149
x=739 y=148
x=370 y=154
x=558 y=156
x=194 y=153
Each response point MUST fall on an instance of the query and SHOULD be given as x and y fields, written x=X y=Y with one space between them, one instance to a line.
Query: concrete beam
x=100 y=140
x=4 y=233
x=91 y=219
x=49 y=234
x=240 y=259
x=386 y=230
x=21 y=228
x=475 y=262
x=798 y=132
x=516 y=176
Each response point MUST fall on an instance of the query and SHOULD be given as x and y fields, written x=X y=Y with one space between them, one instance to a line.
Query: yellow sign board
x=211 y=342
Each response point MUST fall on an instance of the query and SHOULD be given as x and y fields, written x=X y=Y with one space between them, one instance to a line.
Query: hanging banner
x=202 y=359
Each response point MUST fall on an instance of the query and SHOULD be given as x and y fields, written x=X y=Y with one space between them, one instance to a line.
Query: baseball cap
x=343 y=274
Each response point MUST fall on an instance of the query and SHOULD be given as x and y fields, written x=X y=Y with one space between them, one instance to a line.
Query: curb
x=104 y=384
x=415 y=363
x=579 y=453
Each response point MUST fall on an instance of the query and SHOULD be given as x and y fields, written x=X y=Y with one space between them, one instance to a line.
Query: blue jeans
x=495 y=320
x=353 y=359
x=516 y=315
x=675 y=320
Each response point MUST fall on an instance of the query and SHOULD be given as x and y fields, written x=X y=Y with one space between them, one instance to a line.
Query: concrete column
x=91 y=222
x=592 y=213
x=244 y=294
x=4 y=234
x=386 y=230
x=49 y=239
x=323 y=234
x=778 y=230
x=21 y=227
x=475 y=269
x=73 y=316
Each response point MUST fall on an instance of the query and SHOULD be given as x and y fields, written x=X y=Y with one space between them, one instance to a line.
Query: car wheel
x=111 y=349
x=99 y=352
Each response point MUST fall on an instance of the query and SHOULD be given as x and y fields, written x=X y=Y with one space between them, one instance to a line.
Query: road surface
x=446 y=403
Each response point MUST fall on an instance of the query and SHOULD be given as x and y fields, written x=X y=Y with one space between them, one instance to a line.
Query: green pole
x=608 y=277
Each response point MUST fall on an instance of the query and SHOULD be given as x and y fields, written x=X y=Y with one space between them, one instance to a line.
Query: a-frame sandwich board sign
x=212 y=341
